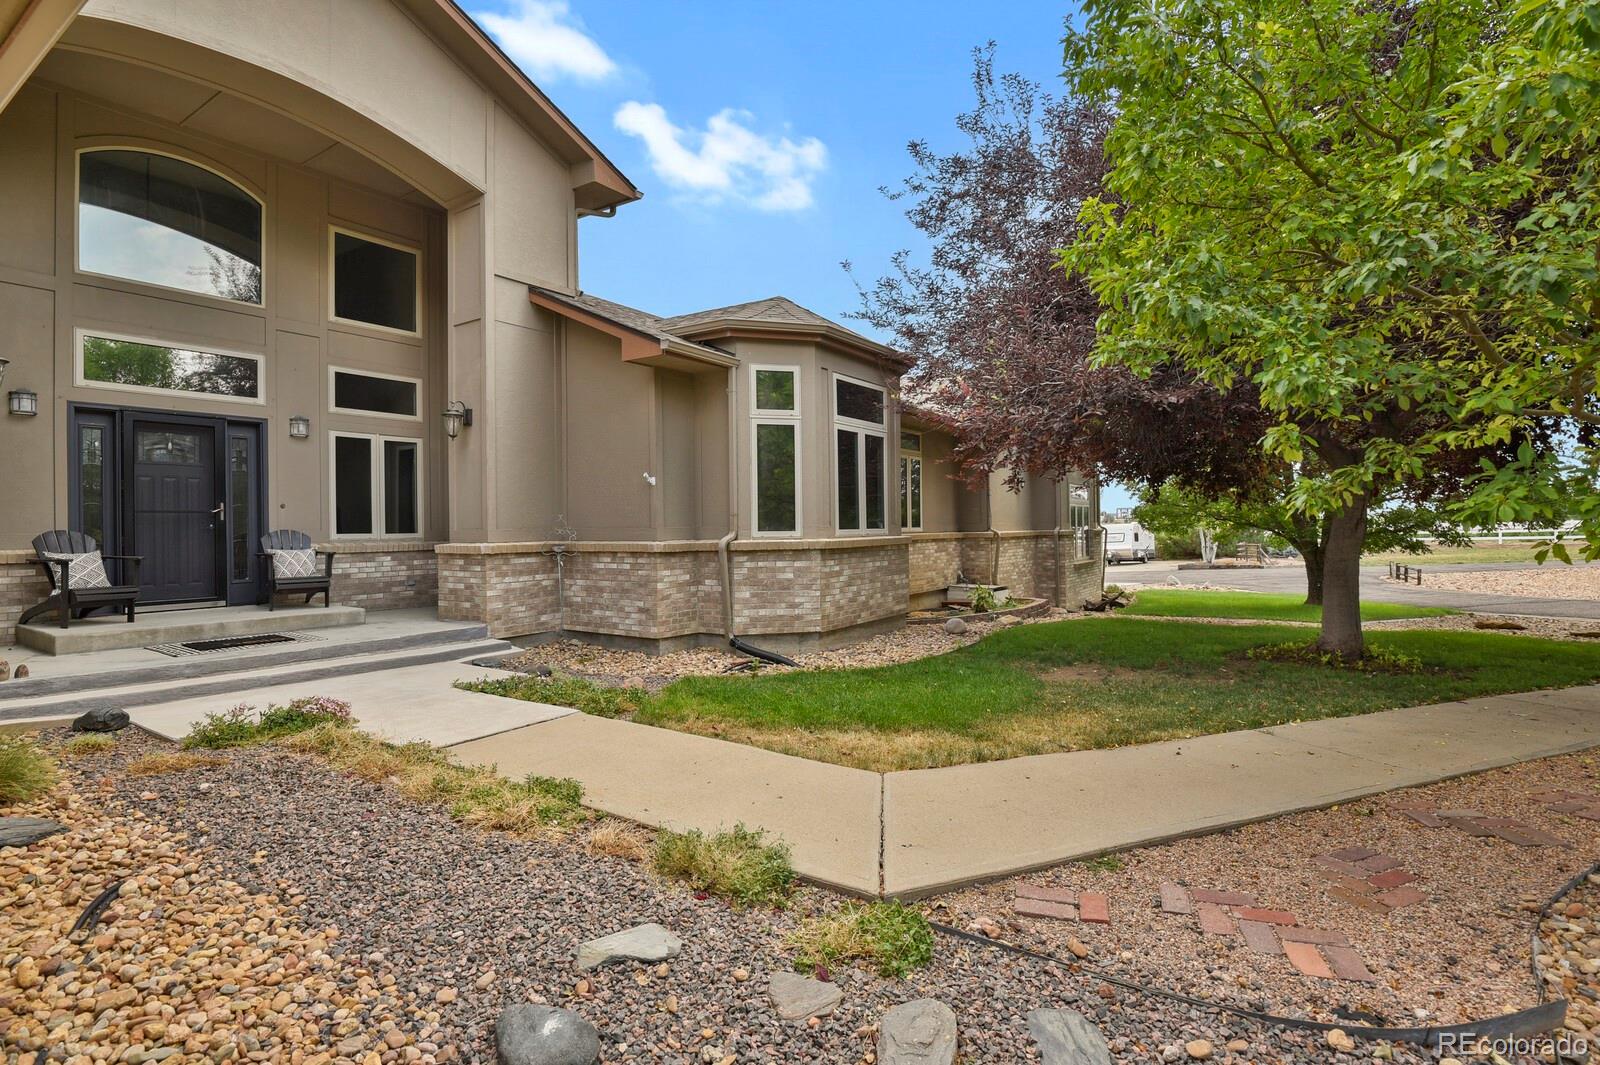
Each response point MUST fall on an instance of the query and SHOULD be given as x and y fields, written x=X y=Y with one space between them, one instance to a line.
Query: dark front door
x=177 y=509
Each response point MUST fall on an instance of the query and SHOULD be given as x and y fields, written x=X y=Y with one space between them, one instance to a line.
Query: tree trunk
x=1311 y=555
x=1344 y=536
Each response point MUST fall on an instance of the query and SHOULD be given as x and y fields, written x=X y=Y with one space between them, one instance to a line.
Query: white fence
x=1502 y=533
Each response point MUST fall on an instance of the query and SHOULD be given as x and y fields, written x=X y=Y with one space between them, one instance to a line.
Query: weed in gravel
x=738 y=865
x=1103 y=863
x=618 y=839
x=895 y=938
x=580 y=694
x=152 y=765
x=25 y=770
x=533 y=807
x=241 y=724
x=88 y=744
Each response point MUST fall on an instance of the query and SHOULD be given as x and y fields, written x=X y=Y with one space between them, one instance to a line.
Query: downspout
x=1057 y=535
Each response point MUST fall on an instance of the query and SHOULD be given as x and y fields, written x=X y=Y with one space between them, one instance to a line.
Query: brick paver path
x=1367 y=879
x=1316 y=952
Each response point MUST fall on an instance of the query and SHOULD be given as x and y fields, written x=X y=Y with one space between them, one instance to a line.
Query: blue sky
x=759 y=131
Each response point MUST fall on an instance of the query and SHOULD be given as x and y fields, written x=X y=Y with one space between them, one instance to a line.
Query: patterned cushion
x=83 y=571
x=289 y=563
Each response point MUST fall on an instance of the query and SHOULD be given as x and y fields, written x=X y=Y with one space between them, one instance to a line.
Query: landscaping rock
x=544 y=1035
x=101 y=719
x=955 y=626
x=22 y=831
x=1198 y=1049
x=918 y=1033
x=1067 y=1038
x=646 y=942
x=797 y=997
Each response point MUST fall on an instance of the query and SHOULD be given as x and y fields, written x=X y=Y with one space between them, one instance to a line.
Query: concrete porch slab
x=180 y=626
x=411 y=704
x=828 y=814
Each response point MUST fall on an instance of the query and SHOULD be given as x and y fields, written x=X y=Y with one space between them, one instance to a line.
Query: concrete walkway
x=917 y=832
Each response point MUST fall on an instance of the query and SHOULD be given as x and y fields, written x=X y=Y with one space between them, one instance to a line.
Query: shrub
x=156 y=764
x=25 y=770
x=738 y=865
x=894 y=938
x=982 y=600
x=88 y=744
x=240 y=725
x=584 y=695
x=1375 y=660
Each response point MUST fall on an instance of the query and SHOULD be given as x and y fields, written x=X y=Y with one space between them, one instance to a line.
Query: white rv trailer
x=1129 y=542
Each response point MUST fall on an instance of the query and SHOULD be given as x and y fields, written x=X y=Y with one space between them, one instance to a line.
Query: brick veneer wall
x=1027 y=563
x=22 y=584
x=935 y=561
x=384 y=576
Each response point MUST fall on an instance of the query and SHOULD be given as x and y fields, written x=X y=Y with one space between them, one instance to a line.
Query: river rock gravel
x=395 y=915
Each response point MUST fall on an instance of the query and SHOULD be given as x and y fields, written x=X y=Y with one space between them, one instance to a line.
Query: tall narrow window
x=238 y=508
x=377 y=486
x=910 y=481
x=860 y=455
x=374 y=282
x=92 y=481
x=162 y=221
x=775 y=443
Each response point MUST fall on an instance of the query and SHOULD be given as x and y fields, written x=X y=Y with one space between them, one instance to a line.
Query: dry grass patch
x=88 y=744
x=531 y=808
x=152 y=765
x=894 y=938
x=618 y=839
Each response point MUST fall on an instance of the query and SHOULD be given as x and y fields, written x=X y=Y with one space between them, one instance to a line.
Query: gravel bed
x=1570 y=955
x=1553 y=580
x=624 y=668
x=1462 y=955
x=413 y=896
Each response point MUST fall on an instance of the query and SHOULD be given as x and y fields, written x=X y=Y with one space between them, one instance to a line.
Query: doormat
x=229 y=643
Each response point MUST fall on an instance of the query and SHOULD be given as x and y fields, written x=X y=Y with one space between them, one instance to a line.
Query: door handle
x=217 y=511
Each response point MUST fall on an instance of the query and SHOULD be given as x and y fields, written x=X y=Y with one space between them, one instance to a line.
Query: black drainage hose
x=758 y=652
x=91 y=913
x=1536 y=1020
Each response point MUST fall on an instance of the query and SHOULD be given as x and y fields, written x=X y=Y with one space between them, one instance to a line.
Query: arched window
x=162 y=221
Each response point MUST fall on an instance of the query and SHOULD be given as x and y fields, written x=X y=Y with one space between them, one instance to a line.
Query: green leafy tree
x=1291 y=203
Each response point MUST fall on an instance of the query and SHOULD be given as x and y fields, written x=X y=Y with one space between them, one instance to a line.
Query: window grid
x=859 y=444
x=767 y=417
x=381 y=505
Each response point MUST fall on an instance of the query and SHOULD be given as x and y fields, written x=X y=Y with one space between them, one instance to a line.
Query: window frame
x=232 y=179
x=81 y=380
x=907 y=458
x=759 y=417
x=334 y=408
x=334 y=229
x=862 y=429
x=375 y=442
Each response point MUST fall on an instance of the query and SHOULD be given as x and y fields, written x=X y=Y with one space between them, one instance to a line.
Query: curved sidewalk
x=916 y=832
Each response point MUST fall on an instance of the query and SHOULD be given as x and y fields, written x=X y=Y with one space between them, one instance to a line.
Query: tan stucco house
x=256 y=276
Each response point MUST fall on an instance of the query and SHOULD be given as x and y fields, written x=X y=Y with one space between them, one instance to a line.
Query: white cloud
x=541 y=36
x=728 y=159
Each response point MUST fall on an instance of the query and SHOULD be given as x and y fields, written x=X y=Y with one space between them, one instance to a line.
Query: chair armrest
x=48 y=564
x=126 y=558
x=129 y=562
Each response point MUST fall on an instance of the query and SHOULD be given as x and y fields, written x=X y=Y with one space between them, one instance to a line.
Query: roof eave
x=739 y=327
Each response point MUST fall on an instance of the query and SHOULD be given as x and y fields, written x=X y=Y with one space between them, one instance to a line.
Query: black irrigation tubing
x=91 y=913
x=1536 y=1020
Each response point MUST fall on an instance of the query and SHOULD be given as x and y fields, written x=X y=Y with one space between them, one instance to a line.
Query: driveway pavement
x=1374 y=586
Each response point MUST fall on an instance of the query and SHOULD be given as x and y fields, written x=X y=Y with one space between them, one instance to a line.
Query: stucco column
x=466 y=376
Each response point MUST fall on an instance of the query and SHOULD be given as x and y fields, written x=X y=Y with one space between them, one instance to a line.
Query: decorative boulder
x=22 y=831
x=101 y=719
x=645 y=942
x=799 y=998
x=529 y=1034
x=918 y=1033
x=955 y=626
x=1067 y=1038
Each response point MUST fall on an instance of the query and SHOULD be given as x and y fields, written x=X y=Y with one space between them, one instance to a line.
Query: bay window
x=775 y=446
x=860 y=455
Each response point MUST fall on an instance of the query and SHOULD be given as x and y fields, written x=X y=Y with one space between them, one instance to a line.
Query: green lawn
x=1258 y=606
x=1482 y=551
x=1091 y=683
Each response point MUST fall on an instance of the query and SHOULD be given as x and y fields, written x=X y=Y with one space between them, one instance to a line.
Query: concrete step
x=179 y=626
x=52 y=676
x=65 y=704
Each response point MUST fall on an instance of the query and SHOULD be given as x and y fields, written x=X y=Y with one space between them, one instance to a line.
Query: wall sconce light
x=299 y=427
x=456 y=414
x=24 y=401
